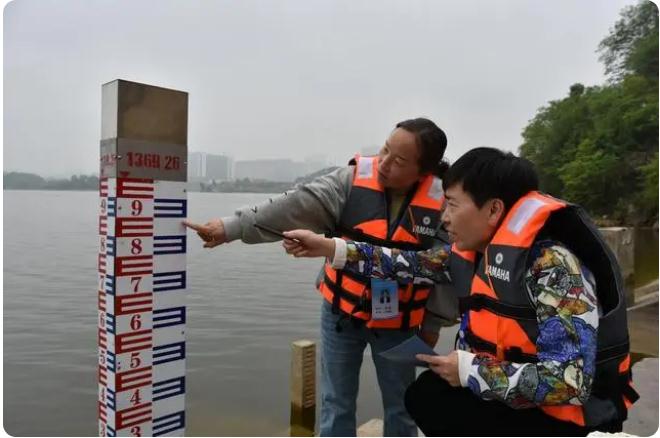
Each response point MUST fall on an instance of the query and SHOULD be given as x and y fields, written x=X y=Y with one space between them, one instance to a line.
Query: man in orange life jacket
x=543 y=338
x=393 y=199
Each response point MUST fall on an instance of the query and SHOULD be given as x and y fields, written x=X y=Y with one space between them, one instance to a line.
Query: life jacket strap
x=613 y=352
x=480 y=301
x=622 y=388
x=335 y=296
x=626 y=388
x=511 y=354
x=407 y=310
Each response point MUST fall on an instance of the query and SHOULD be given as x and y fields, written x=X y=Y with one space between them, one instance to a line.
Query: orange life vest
x=502 y=320
x=365 y=218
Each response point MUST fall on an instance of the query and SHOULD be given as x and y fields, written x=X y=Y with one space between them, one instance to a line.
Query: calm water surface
x=246 y=304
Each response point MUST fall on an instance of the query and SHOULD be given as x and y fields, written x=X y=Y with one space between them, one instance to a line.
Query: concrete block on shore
x=622 y=242
x=646 y=292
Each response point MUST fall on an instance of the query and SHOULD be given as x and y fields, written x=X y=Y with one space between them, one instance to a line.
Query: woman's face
x=398 y=161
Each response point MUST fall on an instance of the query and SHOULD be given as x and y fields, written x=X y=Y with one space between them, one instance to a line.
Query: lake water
x=246 y=304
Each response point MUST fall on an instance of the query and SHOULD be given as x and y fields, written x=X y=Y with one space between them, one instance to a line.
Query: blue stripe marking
x=110 y=284
x=170 y=207
x=169 y=423
x=169 y=317
x=164 y=281
x=111 y=246
x=110 y=323
x=111 y=359
x=169 y=353
x=112 y=400
x=169 y=388
x=169 y=245
x=112 y=207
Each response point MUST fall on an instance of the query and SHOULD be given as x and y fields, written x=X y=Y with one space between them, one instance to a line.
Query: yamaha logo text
x=499 y=273
x=426 y=231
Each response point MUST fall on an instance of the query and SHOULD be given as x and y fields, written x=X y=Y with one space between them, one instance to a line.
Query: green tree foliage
x=650 y=184
x=22 y=181
x=598 y=146
x=632 y=45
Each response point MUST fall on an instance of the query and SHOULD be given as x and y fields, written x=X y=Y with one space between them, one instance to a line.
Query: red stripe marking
x=103 y=375
x=128 y=379
x=144 y=302
x=124 y=343
x=102 y=301
x=102 y=339
x=135 y=415
x=102 y=412
x=127 y=265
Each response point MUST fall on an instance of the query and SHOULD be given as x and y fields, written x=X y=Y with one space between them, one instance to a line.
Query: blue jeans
x=341 y=358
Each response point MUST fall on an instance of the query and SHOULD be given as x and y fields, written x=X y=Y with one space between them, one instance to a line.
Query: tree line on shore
x=598 y=147
x=31 y=181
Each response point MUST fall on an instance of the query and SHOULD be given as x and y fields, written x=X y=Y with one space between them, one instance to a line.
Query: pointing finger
x=194 y=226
x=295 y=234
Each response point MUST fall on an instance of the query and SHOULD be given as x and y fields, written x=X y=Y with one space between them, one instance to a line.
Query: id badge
x=384 y=299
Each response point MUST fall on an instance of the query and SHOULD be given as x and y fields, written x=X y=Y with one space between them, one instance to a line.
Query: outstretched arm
x=316 y=205
x=372 y=261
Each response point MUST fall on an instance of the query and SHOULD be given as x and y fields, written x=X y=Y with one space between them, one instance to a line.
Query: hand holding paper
x=444 y=366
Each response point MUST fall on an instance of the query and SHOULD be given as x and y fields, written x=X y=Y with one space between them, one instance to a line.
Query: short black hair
x=489 y=173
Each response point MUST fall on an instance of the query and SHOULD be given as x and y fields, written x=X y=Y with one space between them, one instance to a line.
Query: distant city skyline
x=204 y=166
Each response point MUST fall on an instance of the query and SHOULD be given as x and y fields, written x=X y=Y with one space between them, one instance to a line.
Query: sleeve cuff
x=465 y=359
x=339 y=260
x=431 y=322
x=232 y=226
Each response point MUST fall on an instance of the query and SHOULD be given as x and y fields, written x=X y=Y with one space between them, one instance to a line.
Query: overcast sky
x=294 y=78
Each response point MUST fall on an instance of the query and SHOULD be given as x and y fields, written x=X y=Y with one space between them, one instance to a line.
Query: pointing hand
x=212 y=232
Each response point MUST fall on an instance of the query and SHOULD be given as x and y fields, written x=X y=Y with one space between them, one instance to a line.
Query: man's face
x=398 y=160
x=471 y=228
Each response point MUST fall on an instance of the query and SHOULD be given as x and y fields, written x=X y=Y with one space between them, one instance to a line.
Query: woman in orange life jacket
x=543 y=341
x=392 y=199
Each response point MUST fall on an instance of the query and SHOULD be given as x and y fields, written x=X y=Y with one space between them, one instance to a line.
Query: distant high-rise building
x=218 y=167
x=204 y=167
x=196 y=166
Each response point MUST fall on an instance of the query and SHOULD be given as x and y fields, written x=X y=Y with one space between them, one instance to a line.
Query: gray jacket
x=317 y=206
